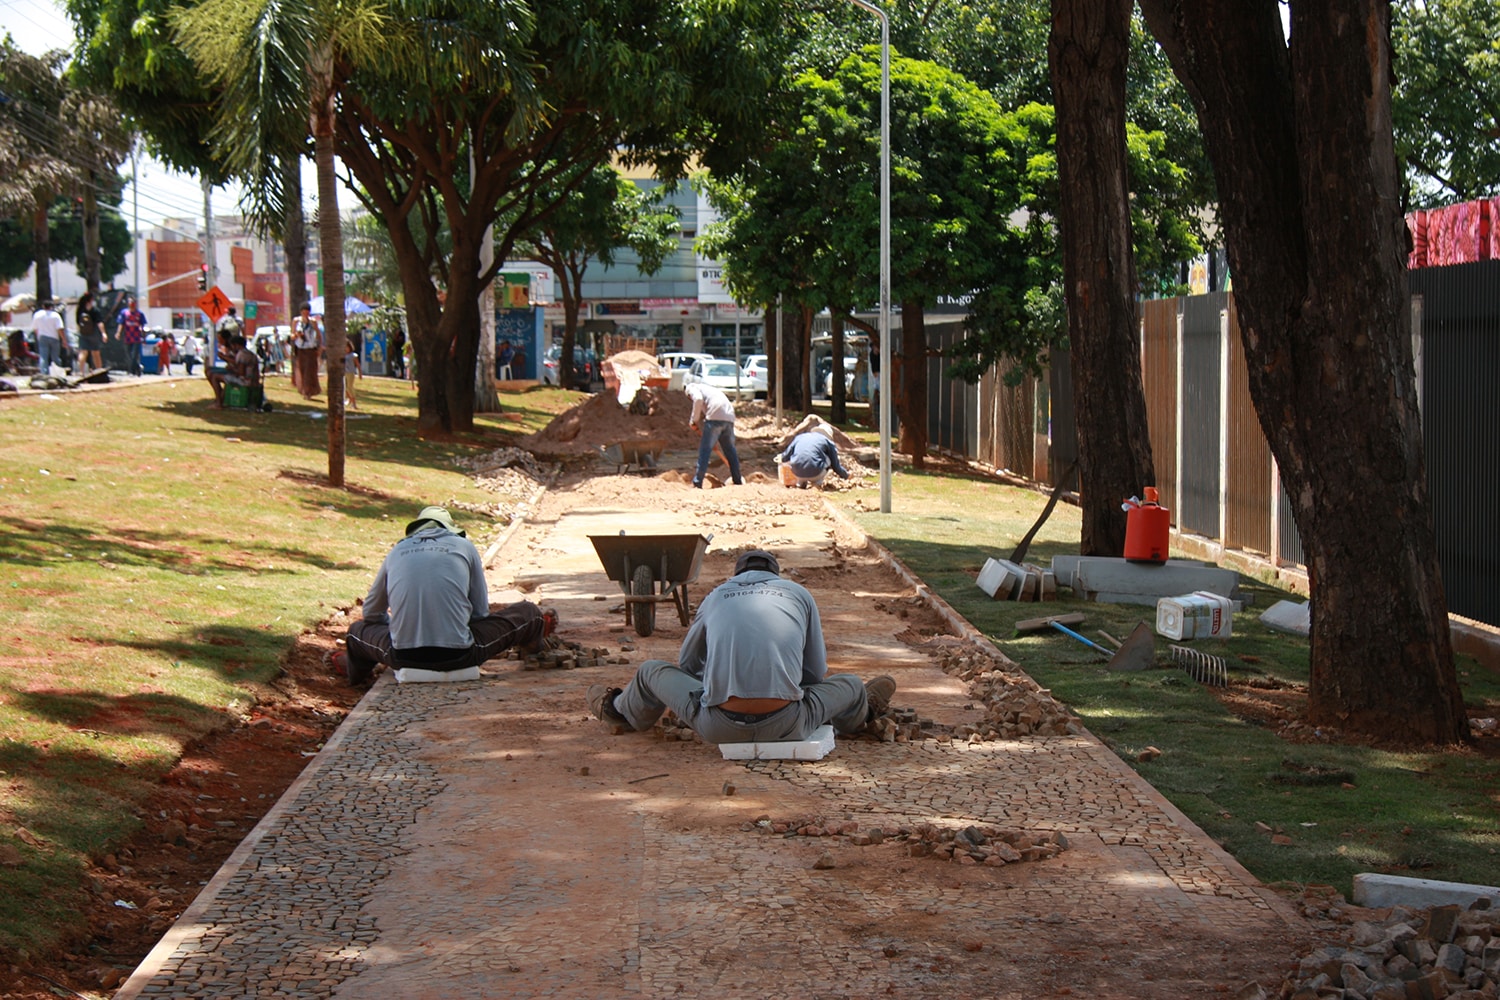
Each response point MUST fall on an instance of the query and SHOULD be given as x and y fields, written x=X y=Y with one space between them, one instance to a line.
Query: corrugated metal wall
x=1460 y=366
x=1199 y=391
x=1159 y=375
x=1213 y=463
x=989 y=422
x=1247 y=485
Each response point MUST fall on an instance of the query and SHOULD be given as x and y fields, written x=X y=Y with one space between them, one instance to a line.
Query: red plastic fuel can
x=1147 y=529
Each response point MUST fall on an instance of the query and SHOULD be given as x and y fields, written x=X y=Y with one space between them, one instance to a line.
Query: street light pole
x=885 y=252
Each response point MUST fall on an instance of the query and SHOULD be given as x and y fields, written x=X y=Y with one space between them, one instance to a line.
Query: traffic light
x=203 y=278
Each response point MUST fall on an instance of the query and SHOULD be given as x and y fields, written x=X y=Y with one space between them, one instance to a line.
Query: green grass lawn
x=1345 y=809
x=157 y=558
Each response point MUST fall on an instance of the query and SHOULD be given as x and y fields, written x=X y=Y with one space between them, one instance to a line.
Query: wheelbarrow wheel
x=643 y=613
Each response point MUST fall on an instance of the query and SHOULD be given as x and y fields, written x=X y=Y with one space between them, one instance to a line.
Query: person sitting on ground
x=429 y=608
x=22 y=357
x=241 y=367
x=753 y=668
x=808 y=458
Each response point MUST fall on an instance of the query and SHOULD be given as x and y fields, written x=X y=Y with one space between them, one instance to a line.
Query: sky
x=37 y=26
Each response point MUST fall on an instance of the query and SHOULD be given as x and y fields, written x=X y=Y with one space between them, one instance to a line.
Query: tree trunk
x=41 y=253
x=773 y=354
x=572 y=289
x=1088 y=51
x=570 y=277
x=486 y=395
x=838 y=396
x=793 y=364
x=910 y=383
x=331 y=248
x=91 y=264
x=296 y=236
x=1302 y=150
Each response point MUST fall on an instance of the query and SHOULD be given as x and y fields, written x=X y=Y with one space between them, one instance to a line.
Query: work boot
x=602 y=704
x=549 y=626
x=878 y=692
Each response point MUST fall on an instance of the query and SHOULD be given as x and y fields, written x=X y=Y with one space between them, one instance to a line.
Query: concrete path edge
x=185 y=925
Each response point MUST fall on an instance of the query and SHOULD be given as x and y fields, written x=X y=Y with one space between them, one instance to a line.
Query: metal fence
x=1457 y=329
x=1214 y=466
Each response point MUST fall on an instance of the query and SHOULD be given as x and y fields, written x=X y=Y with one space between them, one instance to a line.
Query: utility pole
x=208 y=258
x=135 y=215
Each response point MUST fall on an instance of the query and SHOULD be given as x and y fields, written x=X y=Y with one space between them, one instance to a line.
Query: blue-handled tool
x=1081 y=638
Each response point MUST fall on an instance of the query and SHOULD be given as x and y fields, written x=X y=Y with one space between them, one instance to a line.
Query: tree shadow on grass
x=372 y=437
x=29 y=542
x=137 y=713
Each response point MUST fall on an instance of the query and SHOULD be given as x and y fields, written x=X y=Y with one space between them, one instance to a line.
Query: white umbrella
x=24 y=302
x=352 y=306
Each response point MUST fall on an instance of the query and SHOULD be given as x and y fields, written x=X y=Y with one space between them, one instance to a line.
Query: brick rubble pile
x=1014 y=704
x=979 y=844
x=1407 y=955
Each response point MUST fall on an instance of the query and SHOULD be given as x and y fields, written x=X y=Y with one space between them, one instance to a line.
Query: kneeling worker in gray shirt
x=753 y=668
x=429 y=607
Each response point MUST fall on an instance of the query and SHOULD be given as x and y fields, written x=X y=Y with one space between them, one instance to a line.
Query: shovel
x=1137 y=652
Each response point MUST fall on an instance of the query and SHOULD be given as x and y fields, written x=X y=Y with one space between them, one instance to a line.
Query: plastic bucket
x=1199 y=615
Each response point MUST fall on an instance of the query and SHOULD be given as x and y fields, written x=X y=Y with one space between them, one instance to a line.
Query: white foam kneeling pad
x=815 y=747
x=411 y=675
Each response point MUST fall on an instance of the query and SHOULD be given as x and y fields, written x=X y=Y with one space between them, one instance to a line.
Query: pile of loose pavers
x=1406 y=954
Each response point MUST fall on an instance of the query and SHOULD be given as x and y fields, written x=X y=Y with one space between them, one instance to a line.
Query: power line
x=154 y=199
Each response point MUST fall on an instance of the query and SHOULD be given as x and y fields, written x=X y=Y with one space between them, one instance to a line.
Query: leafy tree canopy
x=973 y=207
x=127 y=48
x=1446 y=104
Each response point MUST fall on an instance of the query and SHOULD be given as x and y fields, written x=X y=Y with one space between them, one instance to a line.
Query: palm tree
x=279 y=64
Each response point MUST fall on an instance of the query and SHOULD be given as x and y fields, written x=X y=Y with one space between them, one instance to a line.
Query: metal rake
x=1200 y=666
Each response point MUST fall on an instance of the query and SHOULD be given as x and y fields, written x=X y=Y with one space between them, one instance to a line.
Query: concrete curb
x=1126 y=773
x=516 y=522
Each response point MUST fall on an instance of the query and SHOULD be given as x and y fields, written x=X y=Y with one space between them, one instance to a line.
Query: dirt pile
x=600 y=421
x=656 y=414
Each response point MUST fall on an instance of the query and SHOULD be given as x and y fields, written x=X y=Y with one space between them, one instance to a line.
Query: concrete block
x=1376 y=891
x=411 y=675
x=1142 y=583
x=1065 y=568
x=815 y=747
x=1289 y=616
x=1001 y=579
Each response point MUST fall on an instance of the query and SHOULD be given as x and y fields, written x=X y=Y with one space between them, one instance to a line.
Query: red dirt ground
x=195 y=819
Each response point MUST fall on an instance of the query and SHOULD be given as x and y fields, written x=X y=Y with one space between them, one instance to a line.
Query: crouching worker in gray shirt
x=429 y=608
x=753 y=668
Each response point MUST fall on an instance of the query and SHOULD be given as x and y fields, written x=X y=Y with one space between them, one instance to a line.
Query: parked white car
x=850 y=364
x=675 y=366
x=724 y=375
x=756 y=367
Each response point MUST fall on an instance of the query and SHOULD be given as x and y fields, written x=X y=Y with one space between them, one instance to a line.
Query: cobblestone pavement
x=488 y=838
